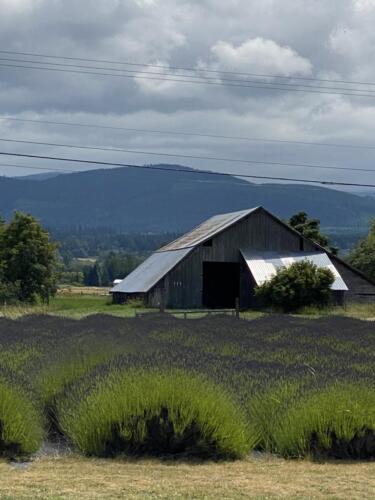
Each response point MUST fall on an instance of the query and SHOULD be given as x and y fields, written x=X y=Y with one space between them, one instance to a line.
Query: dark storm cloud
x=316 y=38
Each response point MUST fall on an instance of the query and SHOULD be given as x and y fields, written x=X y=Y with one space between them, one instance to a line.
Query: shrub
x=21 y=425
x=337 y=421
x=266 y=408
x=153 y=413
x=299 y=285
x=136 y=303
x=56 y=376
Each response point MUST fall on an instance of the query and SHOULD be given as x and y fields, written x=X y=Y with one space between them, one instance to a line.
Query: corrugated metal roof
x=207 y=230
x=145 y=276
x=263 y=265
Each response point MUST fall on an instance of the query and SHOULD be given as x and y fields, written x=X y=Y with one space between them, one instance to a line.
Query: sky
x=317 y=39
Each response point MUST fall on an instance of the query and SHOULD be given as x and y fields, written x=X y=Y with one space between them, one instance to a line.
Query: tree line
x=31 y=266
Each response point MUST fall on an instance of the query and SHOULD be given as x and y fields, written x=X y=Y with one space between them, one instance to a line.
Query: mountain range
x=141 y=200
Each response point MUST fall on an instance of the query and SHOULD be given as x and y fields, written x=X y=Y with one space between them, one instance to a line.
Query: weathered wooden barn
x=225 y=257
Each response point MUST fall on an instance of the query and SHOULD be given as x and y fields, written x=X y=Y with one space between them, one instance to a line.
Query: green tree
x=299 y=285
x=311 y=229
x=363 y=255
x=29 y=259
x=92 y=276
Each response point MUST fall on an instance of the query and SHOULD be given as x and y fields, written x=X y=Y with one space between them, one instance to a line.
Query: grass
x=264 y=477
x=79 y=302
x=71 y=306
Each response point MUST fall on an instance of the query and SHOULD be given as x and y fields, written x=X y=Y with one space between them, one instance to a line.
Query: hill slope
x=155 y=201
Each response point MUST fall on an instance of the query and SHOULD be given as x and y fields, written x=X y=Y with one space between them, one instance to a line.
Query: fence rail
x=186 y=313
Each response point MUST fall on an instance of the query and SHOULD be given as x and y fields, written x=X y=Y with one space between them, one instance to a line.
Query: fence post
x=237 y=308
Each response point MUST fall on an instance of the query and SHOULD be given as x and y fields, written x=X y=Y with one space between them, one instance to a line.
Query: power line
x=182 y=68
x=200 y=78
x=167 y=169
x=185 y=156
x=193 y=134
x=49 y=169
x=220 y=84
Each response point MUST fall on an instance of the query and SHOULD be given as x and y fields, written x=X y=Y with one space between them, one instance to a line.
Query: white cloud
x=259 y=55
x=327 y=39
x=18 y=5
x=362 y=5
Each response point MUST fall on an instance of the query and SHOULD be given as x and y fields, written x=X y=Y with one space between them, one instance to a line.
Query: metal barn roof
x=263 y=265
x=207 y=230
x=152 y=270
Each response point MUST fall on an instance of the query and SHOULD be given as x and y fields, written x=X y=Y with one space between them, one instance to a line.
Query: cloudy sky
x=312 y=39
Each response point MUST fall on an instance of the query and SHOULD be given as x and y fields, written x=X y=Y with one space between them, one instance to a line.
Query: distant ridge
x=156 y=201
x=39 y=177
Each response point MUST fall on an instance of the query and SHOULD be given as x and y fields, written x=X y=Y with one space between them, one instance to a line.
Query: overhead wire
x=274 y=87
x=182 y=68
x=184 y=156
x=188 y=133
x=201 y=78
x=183 y=171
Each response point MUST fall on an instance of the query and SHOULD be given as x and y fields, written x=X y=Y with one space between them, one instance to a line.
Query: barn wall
x=360 y=290
x=183 y=286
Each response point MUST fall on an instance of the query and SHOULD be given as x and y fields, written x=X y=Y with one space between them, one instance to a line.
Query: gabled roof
x=264 y=264
x=205 y=231
x=152 y=270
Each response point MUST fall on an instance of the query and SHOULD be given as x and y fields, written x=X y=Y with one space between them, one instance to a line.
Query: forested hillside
x=131 y=200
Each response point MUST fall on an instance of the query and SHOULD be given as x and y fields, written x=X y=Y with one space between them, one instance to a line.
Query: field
x=260 y=478
x=78 y=302
x=165 y=402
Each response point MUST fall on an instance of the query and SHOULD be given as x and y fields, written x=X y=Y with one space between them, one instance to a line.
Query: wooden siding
x=182 y=287
x=360 y=289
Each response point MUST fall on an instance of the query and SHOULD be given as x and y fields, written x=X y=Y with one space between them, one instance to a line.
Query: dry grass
x=265 y=477
x=83 y=290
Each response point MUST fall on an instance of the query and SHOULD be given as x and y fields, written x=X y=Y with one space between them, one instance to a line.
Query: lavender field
x=210 y=388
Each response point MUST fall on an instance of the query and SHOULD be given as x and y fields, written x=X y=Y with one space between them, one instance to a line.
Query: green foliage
x=363 y=255
x=136 y=303
x=28 y=259
x=213 y=387
x=311 y=229
x=299 y=285
x=112 y=266
x=338 y=421
x=153 y=412
x=266 y=407
x=21 y=424
x=99 y=241
x=9 y=292
x=53 y=378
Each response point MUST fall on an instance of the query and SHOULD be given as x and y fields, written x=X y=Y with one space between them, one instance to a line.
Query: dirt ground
x=74 y=477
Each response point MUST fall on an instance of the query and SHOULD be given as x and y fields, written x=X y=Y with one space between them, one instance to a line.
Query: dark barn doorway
x=221 y=284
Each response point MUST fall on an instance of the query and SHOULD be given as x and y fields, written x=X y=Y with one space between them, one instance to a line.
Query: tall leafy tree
x=363 y=255
x=29 y=258
x=311 y=229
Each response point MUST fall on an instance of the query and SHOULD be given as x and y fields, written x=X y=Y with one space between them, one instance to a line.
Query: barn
x=225 y=257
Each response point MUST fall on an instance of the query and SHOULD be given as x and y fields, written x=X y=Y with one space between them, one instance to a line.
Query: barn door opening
x=221 y=284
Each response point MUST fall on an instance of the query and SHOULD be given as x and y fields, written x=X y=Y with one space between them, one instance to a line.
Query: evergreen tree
x=92 y=276
x=363 y=255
